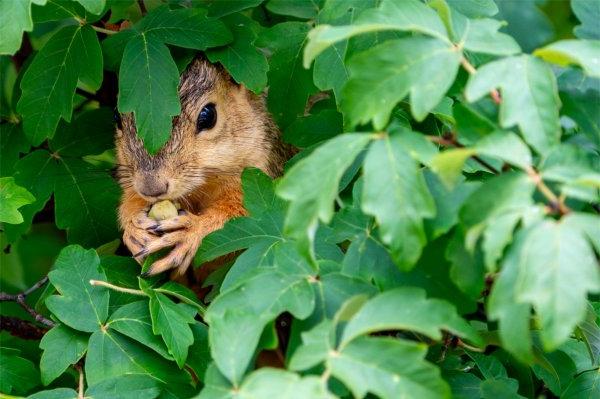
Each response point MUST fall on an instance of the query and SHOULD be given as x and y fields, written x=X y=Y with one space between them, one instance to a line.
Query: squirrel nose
x=153 y=187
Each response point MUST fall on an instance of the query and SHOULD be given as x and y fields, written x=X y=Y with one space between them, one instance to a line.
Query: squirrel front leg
x=185 y=232
x=134 y=221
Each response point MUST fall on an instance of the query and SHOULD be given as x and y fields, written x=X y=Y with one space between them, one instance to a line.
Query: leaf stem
x=103 y=30
x=117 y=288
x=20 y=299
x=495 y=94
x=556 y=203
x=81 y=384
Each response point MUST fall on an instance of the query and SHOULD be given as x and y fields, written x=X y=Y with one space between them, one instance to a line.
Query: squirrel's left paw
x=178 y=233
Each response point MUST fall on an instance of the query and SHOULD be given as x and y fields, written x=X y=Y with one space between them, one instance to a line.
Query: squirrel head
x=222 y=129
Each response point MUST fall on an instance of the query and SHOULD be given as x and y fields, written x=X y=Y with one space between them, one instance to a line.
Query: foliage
x=436 y=236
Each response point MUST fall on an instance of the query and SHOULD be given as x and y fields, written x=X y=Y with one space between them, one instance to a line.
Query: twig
x=142 y=6
x=472 y=71
x=80 y=388
x=20 y=299
x=555 y=203
x=21 y=328
x=117 y=288
x=36 y=286
x=103 y=30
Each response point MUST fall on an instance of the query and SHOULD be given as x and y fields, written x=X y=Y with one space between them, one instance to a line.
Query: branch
x=21 y=328
x=142 y=6
x=20 y=299
x=556 y=204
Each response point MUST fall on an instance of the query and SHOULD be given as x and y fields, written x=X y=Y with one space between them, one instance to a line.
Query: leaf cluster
x=437 y=235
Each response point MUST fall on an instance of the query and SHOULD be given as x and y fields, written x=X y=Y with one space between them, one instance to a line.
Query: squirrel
x=223 y=128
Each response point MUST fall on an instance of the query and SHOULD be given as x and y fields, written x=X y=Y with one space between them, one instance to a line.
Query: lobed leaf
x=391 y=172
x=48 y=85
x=529 y=97
x=386 y=74
x=80 y=305
x=388 y=311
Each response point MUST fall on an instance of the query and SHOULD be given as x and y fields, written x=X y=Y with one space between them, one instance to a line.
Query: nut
x=162 y=210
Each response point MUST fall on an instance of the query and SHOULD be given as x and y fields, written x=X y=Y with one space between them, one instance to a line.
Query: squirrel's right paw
x=138 y=233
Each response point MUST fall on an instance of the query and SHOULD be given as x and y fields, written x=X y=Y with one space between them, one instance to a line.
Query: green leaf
x=507 y=147
x=500 y=196
x=12 y=144
x=184 y=27
x=183 y=293
x=276 y=383
x=110 y=355
x=242 y=60
x=221 y=8
x=316 y=344
x=426 y=316
x=262 y=228
x=489 y=366
x=482 y=36
x=133 y=320
x=526 y=22
x=585 y=53
x=449 y=164
x=584 y=109
x=148 y=81
x=48 y=86
x=17 y=374
x=15 y=18
x=311 y=185
x=199 y=353
x=475 y=8
x=89 y=134
x=57 y=393
x=467 y=270
x=93 y=6
x=391 y=174
x=529 y=97
x=62 y=347
x=588 y=13
x=513 y=317
x=330 y=71
x=123 y=387
x=388 y=368
x=81 y=306
x=447 y=203
x=407 y=15
x=12 y=197
x=305 y=9
x=290 y=84
x=171 y=321
x=322 y=126
x=386 y=74
x=238 y=316
x=585 y=385
x=548 y=281
x=500 y=388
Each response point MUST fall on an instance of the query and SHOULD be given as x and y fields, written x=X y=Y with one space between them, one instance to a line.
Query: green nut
x=163 y=210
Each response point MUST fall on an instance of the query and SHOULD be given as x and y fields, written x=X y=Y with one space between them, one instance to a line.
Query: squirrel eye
x=207 y=117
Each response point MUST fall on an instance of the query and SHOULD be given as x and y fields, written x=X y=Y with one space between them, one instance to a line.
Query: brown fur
x=202 y=169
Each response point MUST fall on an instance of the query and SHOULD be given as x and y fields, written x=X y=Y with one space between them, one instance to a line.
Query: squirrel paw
x=176 y=232
x=136 y=236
